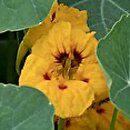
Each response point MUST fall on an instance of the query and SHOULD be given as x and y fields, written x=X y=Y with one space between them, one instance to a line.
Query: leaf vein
x=116 y=74
x=102 y=15
x=119 y=91
x=120 y=8
x=78 y=3
x=21 y=123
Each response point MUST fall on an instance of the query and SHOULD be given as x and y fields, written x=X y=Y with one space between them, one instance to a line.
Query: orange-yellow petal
x=70 y=98
x=57 y=41
x=77 y=18
x=62 y=37
x=85 y=44
x=92 y=74
x=33 y=70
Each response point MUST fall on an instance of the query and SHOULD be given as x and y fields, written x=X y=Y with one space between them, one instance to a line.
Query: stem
x=113 y=121
x=61 y=124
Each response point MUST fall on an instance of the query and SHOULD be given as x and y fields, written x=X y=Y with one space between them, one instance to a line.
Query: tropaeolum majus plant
x=63 y=73
x=63 y=65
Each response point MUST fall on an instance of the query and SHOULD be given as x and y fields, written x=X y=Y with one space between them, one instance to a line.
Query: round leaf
x=19 y=14
x=114 y=55
x=24 y=108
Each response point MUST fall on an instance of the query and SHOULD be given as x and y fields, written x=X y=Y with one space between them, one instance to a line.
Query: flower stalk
x=113 y=121
x=61 y=124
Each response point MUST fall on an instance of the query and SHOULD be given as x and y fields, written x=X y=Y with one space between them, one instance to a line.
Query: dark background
x=9 y=43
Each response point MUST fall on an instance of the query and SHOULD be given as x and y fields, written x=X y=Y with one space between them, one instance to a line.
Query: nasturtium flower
x=97 y=118
x=58 y=13
x=56 y=67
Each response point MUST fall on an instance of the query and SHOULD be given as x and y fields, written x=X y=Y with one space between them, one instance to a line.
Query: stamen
x=69 y=62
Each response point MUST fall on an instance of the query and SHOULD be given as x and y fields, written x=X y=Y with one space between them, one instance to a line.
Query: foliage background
x=102 y=15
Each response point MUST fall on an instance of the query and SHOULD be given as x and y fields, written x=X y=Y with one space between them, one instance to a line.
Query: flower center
x=69 y=62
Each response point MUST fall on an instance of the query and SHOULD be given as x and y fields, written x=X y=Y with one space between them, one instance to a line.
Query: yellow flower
x=54 y=68
x=58 y=13
x=98 y=118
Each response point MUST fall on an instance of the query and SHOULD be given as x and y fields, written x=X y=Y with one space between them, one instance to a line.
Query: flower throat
x=70 y=63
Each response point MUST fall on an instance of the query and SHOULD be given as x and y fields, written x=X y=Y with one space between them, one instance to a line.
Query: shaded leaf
x=114 y=55
x=19 y=14
x=24 y=108
x=102 y=13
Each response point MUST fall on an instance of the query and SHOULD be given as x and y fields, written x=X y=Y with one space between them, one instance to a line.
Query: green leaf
x=102 y=13
x=24 y=108
x=19 y=14
x=114 y=56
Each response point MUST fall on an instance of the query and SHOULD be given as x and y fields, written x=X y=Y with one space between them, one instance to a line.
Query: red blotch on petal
x=62 y=87
x=67 y=123
x=46 y=76
x=100 y=111
x=86 y=80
